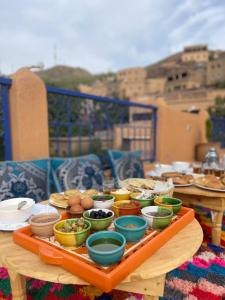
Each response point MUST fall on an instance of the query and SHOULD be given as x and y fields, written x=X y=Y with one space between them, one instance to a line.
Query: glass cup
x=197 y=167
x=108 y=185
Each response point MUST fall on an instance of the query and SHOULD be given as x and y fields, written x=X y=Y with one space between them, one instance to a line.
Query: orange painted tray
x=106 y=278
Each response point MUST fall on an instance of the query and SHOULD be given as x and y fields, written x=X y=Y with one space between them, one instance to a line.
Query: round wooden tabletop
x=175 y=252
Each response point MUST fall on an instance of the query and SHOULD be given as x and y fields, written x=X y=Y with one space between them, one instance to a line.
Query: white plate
x=42 y=209
x=208 y=188
x=57 y=205
x=12 y=227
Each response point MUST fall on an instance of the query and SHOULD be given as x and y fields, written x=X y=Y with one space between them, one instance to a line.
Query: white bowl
x=104 y=204
x=9 y=214
x=181 y=165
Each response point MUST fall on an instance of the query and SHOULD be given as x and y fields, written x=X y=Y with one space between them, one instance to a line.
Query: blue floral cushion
x=126 y=164
x=24 y=179
x=82 y=172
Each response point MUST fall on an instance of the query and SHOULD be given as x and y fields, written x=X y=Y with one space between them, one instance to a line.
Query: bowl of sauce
x=121 y=194
x=157 y=217
x=133 y=228
x=106 y=247
x=42 y=224
x=126 y=207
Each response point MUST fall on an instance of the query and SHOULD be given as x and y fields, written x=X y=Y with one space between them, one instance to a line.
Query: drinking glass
x=197 y=167
x=108 y=185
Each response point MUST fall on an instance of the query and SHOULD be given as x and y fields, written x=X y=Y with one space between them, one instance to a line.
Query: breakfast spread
x=102 y=237
x=178 y=178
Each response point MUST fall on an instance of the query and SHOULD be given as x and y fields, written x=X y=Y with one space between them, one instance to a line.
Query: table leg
x=217 y=218
x=18 y=285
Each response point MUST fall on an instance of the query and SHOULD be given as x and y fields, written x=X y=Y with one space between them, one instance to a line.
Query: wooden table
x=148 y=279
x=213 y=200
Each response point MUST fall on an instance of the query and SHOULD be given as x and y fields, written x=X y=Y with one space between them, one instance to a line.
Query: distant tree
x=216 y=124
x=218 y=109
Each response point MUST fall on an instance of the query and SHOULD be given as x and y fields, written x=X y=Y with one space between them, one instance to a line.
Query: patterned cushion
x=126 y=164
x=24 y=179
x=83 y=172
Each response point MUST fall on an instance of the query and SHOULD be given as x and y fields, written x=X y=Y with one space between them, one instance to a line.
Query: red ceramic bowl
x=126 y=207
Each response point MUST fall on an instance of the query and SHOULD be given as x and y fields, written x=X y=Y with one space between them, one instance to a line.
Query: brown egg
x=73 y=200
x=87 y=202
x=77 y=208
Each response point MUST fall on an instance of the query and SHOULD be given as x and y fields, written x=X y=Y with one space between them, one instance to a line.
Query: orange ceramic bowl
x=126 y=207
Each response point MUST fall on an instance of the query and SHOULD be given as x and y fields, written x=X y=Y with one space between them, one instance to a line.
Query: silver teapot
x=211 y=159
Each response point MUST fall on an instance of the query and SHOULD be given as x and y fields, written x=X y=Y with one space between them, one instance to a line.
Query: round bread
x=76 y=209
x=72 y=192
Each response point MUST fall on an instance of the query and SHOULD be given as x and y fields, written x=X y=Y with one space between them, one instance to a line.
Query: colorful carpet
x=201 y=278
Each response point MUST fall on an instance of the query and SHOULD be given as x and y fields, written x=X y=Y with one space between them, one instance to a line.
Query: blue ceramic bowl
x=106 y=258
x=132 y=235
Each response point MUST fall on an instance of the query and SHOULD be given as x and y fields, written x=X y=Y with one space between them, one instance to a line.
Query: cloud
x=102 y=35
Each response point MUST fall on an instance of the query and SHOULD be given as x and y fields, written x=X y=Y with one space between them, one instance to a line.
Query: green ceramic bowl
x=172 y=204
x=143 y=202
x=98 y=224
x=157 y=222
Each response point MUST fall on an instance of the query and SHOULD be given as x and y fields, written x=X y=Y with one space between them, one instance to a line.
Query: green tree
x=218 y=109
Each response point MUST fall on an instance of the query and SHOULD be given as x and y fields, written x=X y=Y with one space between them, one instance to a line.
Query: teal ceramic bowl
x=106 y=257
x=152 y=215
x=170 y=203
x=143 y=202
x=132 y=234
x=98 y=224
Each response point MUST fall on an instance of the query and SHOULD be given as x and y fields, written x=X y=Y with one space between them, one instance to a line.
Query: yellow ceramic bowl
x=121 y=196
x=71 y=239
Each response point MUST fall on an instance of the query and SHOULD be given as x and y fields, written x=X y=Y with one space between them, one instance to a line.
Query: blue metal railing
x=5 y=141
x=82 y=123
x=218 y=129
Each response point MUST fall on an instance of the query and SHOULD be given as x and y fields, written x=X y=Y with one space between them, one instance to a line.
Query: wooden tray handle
x=49 y=256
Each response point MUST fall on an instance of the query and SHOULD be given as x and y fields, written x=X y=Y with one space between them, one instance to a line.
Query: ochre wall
x=28 y=116
x=178 y=133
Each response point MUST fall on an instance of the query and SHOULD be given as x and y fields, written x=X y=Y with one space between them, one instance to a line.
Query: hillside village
x=188 y=81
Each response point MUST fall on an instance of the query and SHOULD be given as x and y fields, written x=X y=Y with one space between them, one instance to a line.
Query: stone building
x=183 y=79
x=131 y=82
x=196 y=53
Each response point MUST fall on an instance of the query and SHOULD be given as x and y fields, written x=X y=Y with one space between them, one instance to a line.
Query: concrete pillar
x=28 y=116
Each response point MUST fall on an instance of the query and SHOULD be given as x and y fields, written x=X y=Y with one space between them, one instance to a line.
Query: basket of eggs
x=79 y=202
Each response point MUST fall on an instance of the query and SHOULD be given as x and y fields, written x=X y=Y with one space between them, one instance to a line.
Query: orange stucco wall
x=178 y=133
x=28 y=116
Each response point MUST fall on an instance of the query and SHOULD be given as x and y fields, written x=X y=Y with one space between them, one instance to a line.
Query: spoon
x=21 y=204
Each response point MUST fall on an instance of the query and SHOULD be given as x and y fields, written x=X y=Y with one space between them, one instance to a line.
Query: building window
x=142 y=116
x=177 y=76
x=170 y=78
x=184 y=74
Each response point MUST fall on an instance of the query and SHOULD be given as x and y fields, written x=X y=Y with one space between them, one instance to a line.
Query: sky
x=105 y=35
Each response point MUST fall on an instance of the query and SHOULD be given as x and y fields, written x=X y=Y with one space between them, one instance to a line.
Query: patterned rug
x=201 y=278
